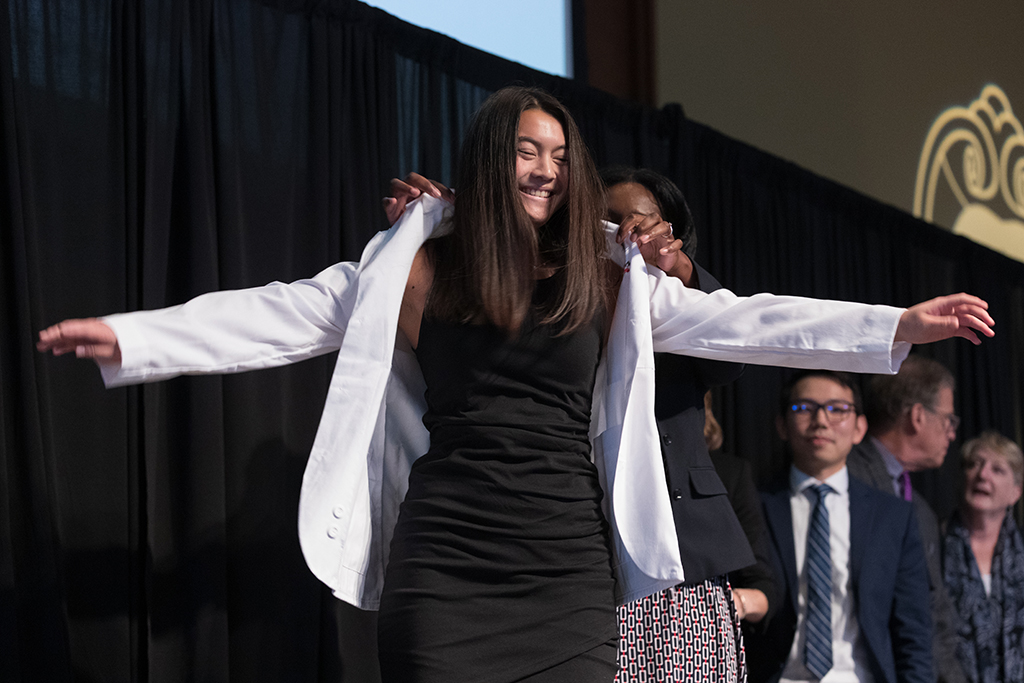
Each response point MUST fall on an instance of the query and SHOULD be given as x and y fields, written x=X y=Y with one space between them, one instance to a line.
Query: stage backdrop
x=155 y=150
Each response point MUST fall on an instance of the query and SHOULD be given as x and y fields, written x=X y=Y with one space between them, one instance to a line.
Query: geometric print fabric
x=684 y=633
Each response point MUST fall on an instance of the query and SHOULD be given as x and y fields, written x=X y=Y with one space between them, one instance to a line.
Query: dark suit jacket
x=866 y=463
x=890 y=588
x=711 y=540
x=746 y=503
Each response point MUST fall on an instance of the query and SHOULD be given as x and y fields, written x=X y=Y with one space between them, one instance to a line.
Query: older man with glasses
x=911 y=423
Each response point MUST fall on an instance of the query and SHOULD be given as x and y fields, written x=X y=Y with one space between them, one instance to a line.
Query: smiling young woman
x=529 y=197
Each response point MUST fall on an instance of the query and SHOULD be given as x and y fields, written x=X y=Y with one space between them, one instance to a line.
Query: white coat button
x=337 y=512
x=332 y=532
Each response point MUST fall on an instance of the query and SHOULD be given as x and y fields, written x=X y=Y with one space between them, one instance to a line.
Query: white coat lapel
x=646 y=547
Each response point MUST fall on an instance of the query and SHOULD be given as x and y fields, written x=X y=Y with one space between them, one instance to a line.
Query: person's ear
x=915 y=418
x=860 y=429
x=1016 y=497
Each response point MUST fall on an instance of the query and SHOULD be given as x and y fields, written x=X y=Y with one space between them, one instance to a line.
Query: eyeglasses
x=950 y=421
x=835 y=411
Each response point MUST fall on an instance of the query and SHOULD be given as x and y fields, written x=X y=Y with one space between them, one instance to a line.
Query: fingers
x=627 y=228
x=86 y=337
x=404 y=191
x=414 y=185
x=641 y=229
x=963 y=298
x=968 y=334
x=968 y=322
x=393 y=209
x=650 y=228
x=966 y=314
x=959 y=304
x=957 y=315
x=446 y=193
x=671 y=248
x=400 y=189
x=97 y=351
x=52 y=339
x=975 y=314
x=424 y=185
x=401 y=194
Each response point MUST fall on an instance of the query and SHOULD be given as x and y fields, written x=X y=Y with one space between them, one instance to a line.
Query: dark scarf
x=990 y=643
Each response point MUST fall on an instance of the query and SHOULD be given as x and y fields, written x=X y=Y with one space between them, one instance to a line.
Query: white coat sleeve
x=765 y=329
x=234 y=331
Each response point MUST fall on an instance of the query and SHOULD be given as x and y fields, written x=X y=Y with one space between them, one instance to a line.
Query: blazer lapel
x=780 y=520
x=862 y=520
x=876 y=474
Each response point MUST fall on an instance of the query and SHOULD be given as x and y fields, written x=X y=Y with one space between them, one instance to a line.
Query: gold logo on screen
x=971 y=173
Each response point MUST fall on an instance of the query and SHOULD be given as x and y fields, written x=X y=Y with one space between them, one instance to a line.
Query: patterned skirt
x=686 y=633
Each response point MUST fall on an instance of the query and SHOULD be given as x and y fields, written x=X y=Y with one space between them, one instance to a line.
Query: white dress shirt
x=371 y=429
x=849 y=658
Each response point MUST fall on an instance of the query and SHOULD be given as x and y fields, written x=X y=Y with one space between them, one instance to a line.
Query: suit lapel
x=878 y=476
x=780 y=520
x=862 y=520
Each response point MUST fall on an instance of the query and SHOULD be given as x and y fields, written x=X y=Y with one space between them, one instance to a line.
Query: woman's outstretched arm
x=787 y=331
x=219 y=332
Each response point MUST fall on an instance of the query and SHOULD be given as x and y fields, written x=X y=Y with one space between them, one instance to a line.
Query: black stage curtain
x=155 y=150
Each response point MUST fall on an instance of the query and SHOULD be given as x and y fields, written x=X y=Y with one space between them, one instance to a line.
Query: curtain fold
x=155 y=150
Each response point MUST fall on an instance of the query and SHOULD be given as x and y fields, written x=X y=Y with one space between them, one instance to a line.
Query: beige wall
x=848 y=90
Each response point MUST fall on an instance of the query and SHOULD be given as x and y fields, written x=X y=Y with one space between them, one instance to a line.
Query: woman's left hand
x=956 y=315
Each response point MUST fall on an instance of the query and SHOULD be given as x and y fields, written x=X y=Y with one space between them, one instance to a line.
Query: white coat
x=371 y=429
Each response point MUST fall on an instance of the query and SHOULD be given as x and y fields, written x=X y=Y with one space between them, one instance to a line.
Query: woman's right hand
x=404 y=191
x=659 y=246
x=86 y=337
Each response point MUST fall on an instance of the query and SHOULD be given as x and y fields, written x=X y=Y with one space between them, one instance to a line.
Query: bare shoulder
x=417 y=287
x=421 y=275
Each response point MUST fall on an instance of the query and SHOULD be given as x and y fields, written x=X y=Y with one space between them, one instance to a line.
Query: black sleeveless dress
x=500 y=564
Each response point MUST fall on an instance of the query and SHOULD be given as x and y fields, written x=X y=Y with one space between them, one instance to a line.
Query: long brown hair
x=485 y=268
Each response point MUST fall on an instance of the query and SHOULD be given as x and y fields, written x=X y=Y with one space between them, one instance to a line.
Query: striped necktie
x=818 y=568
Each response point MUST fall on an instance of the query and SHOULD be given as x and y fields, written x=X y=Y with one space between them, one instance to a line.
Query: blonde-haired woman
x=983 y=560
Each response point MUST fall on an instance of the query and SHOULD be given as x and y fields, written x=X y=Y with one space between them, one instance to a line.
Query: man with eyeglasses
x=849 y=558
x=911 y=423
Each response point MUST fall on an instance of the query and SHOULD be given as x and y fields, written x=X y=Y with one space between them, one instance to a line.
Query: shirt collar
x=799 y=481
x=892 y=465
